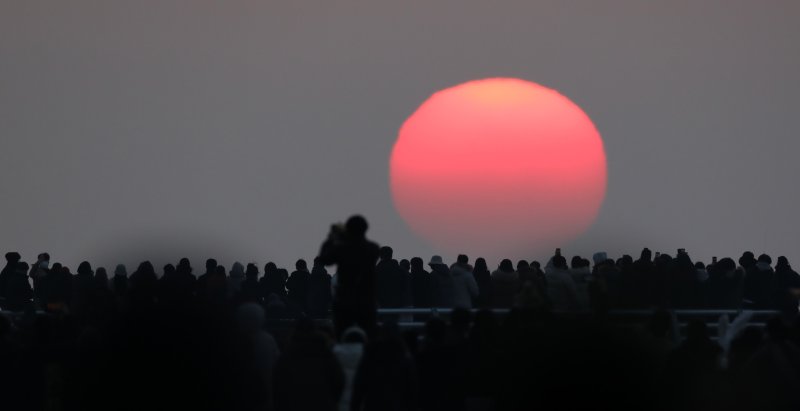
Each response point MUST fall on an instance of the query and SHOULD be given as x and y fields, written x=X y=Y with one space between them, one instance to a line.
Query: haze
x=243 y=129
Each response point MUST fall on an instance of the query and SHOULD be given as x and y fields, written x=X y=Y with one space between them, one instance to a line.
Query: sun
x=499 y=167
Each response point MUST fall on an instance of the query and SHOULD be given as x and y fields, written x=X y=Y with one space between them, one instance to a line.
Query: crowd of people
x=646 y=283
x=311 y=340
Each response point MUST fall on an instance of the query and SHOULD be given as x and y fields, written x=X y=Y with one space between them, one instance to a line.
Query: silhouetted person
x=12 y=258
x=443 y=280
x=320 y=294
x=561 y=290
x=389 y=280
x=235 y=279
x=785 y=287
x=750 y=279
x=217 y=285
x=405 y=268
x=693 y=369
x=273 y=282
x=186 y=281
x=462 y=261
x=482 y=368
x=438 y=375
x=297 y=286
x=38 y=272
x=119 y=283
x=524 y=272
x=349 y=353
x=143 y=285
x=307 y=375
x=769 y=379
x=257 y=354
x=725 y=283
x=505 y=285
x=422 y=286
x=57 y=289
x=250 y=288
x=465 y=288
x=757 y=283
x=82 y=286
x=355 y=256
x=386 y=378
x=168 y=284
x=202 y=280
x=19 y=294
x=642 y=280
x=701 y=289
x=483 y=278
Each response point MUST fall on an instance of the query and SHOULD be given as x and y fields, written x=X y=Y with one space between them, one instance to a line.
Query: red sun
x=499 y=167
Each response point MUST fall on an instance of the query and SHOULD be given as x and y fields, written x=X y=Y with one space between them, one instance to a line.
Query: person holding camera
x=355 y=256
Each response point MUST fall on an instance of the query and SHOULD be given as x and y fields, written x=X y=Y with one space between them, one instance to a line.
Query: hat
x=436 y=260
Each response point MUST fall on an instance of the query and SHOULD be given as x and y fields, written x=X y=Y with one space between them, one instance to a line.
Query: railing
x=719 y=322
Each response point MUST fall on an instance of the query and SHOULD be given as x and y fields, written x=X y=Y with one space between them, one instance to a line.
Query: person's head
x=220 y=271
x=251 y=271
x=43 y=257
x=85 y=268
x=764 y=259
x=626 y=260
x=725 y=265
x=270 y=267
x=747 y=259
x=356 y=227
x=783 y=262
x=318 y=262
x=522 y=265
x=437 y=262
x=169 y=269
x=300 y=265
x=699 y=265
x=559 y=262
x=184 y=266
x=405 y=265
x=237 y=269
x=480 y=264
x=211 y=265
x=417 y=263
x=101 y=273
x=506 y=265
x=386 y=253
x=13 y=257
x=536 y=265
x=119 y=270
x=146 y=267
x=646 y=255
x=462 y=259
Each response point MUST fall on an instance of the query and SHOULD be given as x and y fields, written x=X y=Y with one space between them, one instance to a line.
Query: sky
x=242 y=129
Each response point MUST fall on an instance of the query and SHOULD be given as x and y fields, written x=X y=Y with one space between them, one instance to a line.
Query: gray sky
x=242 y=129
